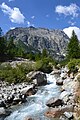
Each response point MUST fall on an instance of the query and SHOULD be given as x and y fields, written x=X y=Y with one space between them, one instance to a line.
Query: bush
x=43 y=65
x=18 y=74
x=5 y=66
x=63 y=62
x=14 y=75
x=73 y=65
x=26 y=67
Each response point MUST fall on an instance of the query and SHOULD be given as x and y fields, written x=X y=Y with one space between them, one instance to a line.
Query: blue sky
x=52 y=14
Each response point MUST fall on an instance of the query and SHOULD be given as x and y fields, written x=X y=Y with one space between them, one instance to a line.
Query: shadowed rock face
x=55 y=41
x=54 y=102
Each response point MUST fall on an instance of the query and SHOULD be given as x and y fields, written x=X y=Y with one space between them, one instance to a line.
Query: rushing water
x=36 y=104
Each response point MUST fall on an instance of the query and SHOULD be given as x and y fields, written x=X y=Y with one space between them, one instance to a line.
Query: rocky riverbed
x=11 y=95
x=14 y=94
x=64 y=107
x=56 y=99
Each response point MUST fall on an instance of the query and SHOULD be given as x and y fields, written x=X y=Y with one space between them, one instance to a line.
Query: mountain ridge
x=54 y=41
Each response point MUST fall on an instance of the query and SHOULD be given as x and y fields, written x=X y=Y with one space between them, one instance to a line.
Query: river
x=36 y=104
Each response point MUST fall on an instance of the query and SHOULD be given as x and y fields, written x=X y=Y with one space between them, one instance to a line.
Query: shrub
x=63 y=62
x=43 y=65
x=26 y=67
x=5 y=66
x=15 y=75
x=72 y=65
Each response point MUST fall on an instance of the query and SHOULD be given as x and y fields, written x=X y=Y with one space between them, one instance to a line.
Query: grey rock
x=15 y=94
x=65 y=96
x=2 y=111
x=17 y=100
x=40 y=77
x=63 y=75
x=28 y=118
x=54 y=102
x=26 y=89
x=56 y=71
x=57 y=112
x=36 y=39
x=2 y=103
x=63 y=117
x=59 y=82
x=69 y=115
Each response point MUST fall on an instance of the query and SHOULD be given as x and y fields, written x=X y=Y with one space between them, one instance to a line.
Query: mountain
x=37 y=39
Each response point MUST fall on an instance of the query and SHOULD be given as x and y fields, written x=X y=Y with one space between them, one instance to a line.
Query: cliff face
x=55 y=41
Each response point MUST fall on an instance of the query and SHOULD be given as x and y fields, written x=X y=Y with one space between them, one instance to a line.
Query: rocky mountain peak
x=54 y=41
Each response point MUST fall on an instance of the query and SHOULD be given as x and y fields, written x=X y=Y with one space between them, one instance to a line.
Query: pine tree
x=44 y=53
x=11 y=48
x=0 y=32
x=73 y=47
x=2 y=48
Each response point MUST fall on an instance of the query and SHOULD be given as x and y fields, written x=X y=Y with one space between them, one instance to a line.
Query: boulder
x=53 y=113
x=26 y=89
x=2 y=103
x=62 y=89
x=59 y=82
x=65 y=96
x=77 y=77
x=56 y=71
x=72 y=75
x=40 y=77
x=32 y=118
x=57 y=112
x=10 y=99
x=69 y=115
x=54 y=102
x=63 y=75
x=16 y=101
x=29 y=90
x=2 y=111
x=28 y=118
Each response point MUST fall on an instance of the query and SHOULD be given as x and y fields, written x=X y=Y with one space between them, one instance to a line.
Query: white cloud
x=71 y=23
x=29 y=24
x=69 y=30
x=33 y=17
x=12 y=28
x=47 y=15
x=71 y=10
x=11 y=0
x=57 y=19
x=14 y=14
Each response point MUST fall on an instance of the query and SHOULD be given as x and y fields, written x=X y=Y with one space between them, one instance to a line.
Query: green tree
x=43 y=65
x=11 y=48
x=73 y=47
x=30 y=56
x=2 y=48
x=37 y=56
x=44 y=53
x=19 y=51
x=0 y=31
